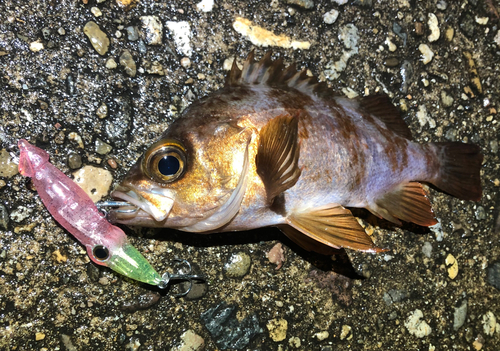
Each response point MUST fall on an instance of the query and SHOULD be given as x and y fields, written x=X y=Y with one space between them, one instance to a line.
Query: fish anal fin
x=278 y=155
x=306 y=242
x=334 y=226
x=407 y=202
x=381 y=107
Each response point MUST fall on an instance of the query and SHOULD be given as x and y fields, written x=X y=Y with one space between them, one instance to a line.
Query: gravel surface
x=95 y=82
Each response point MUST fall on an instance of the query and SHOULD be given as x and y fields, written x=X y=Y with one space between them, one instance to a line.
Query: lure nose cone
x=129 y=262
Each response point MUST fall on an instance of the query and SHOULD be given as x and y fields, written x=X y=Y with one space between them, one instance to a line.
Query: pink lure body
x=68 y=203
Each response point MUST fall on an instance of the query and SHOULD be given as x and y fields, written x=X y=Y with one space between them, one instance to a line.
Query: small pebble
x=95 y=181
x=96 y=12
x=97 y=37
x=493 y=275
x=294 y=342
x=391 y=62
x=452 y=265
x=101 y=147
x=205 y=5
x=460 y=315
x=141 y=302
x=20 y=214
x=307 y=4
x=39 y=336
x=238 y=265
x=419 y=28
x=446 y=99
x=190 y=341
x=480 y=213
x=441 y=5
x=111 y=64
x=185 y=62
x=434 y=27
x=61 y=31
x=112 y=163
x=489 y=323
x=277 y=329
x=36 y=46
x=76 y=138
x=132 y=33
x=102 y=111
x=427 y=53
x=322 y=335
x=276 y=255
x=427 y=249
x=8 y=168
x=345 y=333
x=331 y=16
x=416 y=325
x=153 y=30
x=74 y=160
x=128 y=63
x=4 y=217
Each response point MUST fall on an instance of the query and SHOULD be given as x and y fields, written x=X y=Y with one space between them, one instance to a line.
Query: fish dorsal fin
x=278 y=155
x=381 y=107
x=273 y=73
x=332 y=225
x=407 y=202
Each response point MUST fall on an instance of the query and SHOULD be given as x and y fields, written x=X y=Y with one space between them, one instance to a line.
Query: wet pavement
x=95 y=82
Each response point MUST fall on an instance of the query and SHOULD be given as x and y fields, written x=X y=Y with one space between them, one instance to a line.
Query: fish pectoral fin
x=334 y=226
x=306 y=242
x=277 y=158
x=407 y=202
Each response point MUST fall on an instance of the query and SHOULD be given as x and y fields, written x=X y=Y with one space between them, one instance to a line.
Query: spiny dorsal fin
x=332 y=225
x=407 y=202
x=278 y=155
x=381 y=107
x=273 y=73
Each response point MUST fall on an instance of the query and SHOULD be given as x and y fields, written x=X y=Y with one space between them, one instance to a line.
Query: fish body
x=276 y=148
x=105 y=243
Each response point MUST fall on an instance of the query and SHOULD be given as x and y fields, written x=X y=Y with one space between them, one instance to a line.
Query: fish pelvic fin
x=459 y=172
x=306 y=242
x=277 y=158
x=273 y=73
x=334 y=226
x=407 y=202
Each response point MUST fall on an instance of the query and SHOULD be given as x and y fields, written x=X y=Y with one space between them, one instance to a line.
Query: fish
x=278 y=148
x=74 y=210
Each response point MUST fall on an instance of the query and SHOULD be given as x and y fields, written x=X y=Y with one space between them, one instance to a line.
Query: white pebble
x=96 y=12
x=205 y=5
x=185 y=62
x=427 y=53
x=331 y=16
x=434 y=27
x=416 y=325
x=36 y=46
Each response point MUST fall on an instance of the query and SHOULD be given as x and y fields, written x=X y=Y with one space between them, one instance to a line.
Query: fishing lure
x=106 y=244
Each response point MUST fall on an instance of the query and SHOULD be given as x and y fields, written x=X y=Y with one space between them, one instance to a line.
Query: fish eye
x=165 y=161
x=100 y=252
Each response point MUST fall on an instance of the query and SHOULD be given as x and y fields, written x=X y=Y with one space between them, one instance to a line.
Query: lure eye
x=100 y=252
x=165 y=161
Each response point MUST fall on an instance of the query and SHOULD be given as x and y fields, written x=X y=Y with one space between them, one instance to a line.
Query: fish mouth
x=156 y=203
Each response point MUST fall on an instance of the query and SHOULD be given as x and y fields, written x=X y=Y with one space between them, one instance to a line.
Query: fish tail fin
x=459 y=172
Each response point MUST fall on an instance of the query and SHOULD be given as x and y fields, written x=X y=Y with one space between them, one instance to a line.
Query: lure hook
x=168 y=277
x=130 y=208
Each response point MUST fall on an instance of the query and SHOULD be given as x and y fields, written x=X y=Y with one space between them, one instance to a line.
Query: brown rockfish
x=275 y=147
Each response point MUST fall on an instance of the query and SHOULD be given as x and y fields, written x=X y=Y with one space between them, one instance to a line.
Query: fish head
x=193 y=178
